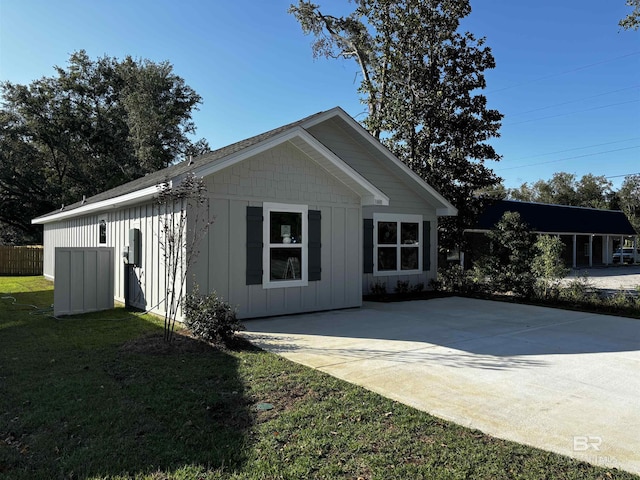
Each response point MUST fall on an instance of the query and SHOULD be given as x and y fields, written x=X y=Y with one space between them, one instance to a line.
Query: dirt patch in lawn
x=182 y=342
x=154 y=344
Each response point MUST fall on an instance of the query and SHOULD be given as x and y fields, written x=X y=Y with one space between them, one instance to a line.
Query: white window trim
x=398 y=218
x=266 y=227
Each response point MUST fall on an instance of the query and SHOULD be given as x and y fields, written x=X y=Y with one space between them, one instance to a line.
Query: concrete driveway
x=621 y=277
x=563 y=381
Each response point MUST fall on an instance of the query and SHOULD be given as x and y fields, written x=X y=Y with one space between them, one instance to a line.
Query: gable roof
x=546 y=218
x=146 y=187
x=444 y=207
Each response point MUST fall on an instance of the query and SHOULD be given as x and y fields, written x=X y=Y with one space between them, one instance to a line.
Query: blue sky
x=567 y=78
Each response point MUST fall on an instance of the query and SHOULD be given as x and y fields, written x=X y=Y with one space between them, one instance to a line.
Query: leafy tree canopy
x=92 y=126
x=632 y=21
x=629 y=196
x=421 y=80
x=565 y=189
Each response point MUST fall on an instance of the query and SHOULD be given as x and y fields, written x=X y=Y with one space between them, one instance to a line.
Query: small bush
x=620 y=300
x=548 y=266
x=417 y=288
x=379 y=289
x=402 y=287
x=452 y=279
x=210 y=318
x=579 y=291
x=508 y=267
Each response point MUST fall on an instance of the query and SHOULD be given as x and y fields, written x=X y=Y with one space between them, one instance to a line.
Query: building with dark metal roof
x=590 y=235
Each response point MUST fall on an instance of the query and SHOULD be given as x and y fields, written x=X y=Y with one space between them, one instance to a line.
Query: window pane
x=387 y=233
x=103 y=232
x=387 y=258
x=409 y=258
x=409 y=233
x=285 y=263
x=285 y=227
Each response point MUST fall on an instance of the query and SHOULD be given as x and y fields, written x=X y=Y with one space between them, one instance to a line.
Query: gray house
x=307 y=217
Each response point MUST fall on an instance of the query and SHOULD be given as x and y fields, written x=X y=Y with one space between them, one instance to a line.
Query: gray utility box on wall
x=135 y=247
x=84 y=280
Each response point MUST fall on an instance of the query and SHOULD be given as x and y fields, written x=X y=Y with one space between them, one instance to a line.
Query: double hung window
x=397 y=244
x=285 y=240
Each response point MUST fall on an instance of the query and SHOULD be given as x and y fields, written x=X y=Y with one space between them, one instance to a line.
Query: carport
x=558 y=380
x=590 y=235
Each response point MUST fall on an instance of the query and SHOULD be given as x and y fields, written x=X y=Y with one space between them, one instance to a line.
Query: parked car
x=626 y=254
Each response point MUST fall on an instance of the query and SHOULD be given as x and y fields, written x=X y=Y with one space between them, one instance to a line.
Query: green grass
x=99 y=396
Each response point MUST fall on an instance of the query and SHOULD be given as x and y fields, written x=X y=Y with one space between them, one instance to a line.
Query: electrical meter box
x=135 y=247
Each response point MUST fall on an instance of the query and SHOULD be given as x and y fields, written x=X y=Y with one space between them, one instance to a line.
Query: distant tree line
x=92 y=126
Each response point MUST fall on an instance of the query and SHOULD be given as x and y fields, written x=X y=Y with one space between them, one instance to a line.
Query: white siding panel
x=353 y=247
x=339 y=256
x=83 y=232
x=234 y=248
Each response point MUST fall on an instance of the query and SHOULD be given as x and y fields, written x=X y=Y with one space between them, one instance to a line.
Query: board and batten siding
x=282 y=174
x=147 y=282
x=74 y=232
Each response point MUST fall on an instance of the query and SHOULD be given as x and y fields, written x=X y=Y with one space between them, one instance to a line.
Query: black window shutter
x=367 y=246
x=426 y=246
x=254 y=245
x=314 y=247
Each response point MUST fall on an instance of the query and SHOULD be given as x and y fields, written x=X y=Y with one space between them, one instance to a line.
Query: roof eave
x=445 y=207
x=101 y=206
x=325 y=158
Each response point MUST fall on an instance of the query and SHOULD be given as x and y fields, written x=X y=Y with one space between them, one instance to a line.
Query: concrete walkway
x=567 y=382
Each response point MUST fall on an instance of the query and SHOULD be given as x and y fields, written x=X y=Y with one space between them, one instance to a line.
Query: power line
x=572 y=113
x=566 y=72
x=574 y=149
x=567 y=158
x=624 y=175
x=571 y=101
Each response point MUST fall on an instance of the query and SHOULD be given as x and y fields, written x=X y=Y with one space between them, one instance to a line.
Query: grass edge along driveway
x=100 y=396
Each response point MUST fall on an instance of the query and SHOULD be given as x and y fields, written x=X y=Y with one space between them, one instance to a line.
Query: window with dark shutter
x=254 y=245
x=283 y=245
x=286 y=245
x=426 y=246
x=397 y=244
x=367 y=246
x=315 y=257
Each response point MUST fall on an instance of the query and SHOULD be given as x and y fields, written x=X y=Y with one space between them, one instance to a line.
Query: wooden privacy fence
x=21 y=260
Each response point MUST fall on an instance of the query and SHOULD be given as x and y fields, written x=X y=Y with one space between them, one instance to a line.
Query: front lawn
x=99 y=396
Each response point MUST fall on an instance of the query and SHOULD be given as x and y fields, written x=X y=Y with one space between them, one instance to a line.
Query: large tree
x=421 y=80
x=629 y=196
x=93 y=125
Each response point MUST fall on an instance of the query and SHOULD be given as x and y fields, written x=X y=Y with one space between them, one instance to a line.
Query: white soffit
x=101 y=206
